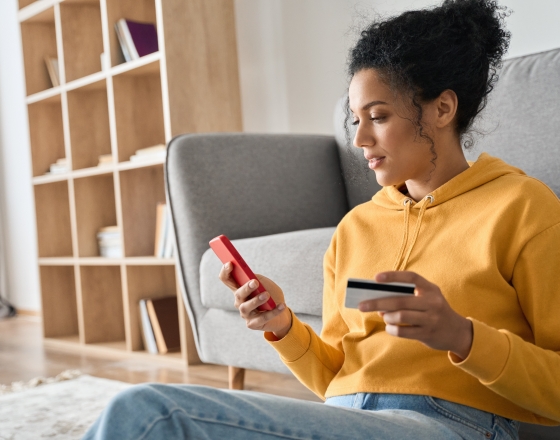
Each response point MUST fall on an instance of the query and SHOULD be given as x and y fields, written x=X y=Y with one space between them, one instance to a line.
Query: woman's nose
x=363 y=138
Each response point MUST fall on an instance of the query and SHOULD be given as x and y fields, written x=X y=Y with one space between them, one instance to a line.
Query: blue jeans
x=155 y=411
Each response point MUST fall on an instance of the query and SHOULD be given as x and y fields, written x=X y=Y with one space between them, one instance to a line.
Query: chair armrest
x=247 y=185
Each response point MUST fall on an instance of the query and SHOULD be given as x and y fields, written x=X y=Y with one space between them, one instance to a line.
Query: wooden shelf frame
x=146 y=64
x=102 y=106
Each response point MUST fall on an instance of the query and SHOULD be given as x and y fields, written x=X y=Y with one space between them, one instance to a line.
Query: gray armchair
x=279 y=198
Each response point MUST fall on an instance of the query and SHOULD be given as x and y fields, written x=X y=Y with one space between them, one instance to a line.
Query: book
x=159 y=243
x=150 y=150
x=109 y=240
x=164 y=242
x=109 y=231
x=169 y=235
x=122 y=42
x=136 y=39
x=52 y=68
x=164 y=318
x=149 y=153
x=110 y=251
x=147 y=331
x=59 y=167
x=105 y=159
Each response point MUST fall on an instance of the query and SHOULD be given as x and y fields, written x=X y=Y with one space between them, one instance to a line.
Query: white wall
x=292 y=57
x=16 y=192
x=311 y=48
x=534 y=24
x=296 y=51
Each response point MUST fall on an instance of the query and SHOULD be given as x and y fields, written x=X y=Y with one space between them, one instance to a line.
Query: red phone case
x=241 y=272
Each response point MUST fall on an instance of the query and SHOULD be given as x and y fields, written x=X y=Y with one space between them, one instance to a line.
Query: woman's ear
x=447 y=103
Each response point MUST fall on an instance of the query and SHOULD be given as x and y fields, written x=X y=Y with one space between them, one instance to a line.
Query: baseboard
x=24 y=312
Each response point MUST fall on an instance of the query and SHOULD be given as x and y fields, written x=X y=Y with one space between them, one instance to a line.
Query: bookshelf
x=90 y=303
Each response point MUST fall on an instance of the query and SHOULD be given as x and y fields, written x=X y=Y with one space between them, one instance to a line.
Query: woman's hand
x=278 y=321
x=426 y=316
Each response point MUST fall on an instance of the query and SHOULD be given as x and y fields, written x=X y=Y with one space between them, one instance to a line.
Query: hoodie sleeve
x=526 y=373
x=315 y=360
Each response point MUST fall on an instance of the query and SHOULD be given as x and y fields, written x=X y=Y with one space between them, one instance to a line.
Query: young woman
x=477 y=348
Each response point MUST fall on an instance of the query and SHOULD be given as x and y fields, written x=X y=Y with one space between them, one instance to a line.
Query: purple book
x=143 y=36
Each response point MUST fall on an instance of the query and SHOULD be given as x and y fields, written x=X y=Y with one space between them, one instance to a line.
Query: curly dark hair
x=457 y=46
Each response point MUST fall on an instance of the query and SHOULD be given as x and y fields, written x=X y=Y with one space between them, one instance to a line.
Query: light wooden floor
x=23 y=357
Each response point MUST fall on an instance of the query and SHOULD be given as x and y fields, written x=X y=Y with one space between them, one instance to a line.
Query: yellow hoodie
x=490 y=239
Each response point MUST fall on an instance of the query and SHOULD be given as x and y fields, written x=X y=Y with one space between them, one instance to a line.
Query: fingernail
x=253 y=284
x=281 y=306
x=226 y=266
x=262 y=296
x=381 y=277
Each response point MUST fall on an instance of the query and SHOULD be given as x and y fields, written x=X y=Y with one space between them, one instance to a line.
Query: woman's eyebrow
x=371 y=104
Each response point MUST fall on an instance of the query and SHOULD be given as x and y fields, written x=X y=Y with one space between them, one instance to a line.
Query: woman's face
x=385 y=131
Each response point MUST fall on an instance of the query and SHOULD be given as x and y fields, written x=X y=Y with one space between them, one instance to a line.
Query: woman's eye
x=373 y=118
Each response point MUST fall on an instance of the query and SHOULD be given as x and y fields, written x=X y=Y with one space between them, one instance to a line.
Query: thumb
x=423 y=286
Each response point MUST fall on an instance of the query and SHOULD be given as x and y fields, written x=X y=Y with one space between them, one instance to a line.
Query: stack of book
x=159 y=318
x=59 y=167
x=105 y=159
x=157 y=152
x=164 y=241
x=136 y=39
x=110 y=242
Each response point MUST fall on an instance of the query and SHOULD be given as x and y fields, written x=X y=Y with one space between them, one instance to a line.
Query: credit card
x=358 y=290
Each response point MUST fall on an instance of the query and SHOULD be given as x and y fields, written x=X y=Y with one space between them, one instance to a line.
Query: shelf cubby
x=60 y=315
x=138 y=110
x=54 y=233
x=141 y=190
x=90 y=303
x=136 y=10
x=38 y=37
x=95 y=209
x=102 y=304
x=88 y=112
x=82 y=38
x=145 y=282
x=46 y=134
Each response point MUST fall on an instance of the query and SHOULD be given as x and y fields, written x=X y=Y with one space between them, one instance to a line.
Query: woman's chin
x=384 y=180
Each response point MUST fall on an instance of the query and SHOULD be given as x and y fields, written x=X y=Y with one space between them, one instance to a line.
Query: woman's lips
x=376 y=162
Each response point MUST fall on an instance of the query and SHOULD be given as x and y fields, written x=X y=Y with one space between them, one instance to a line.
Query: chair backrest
x=247 y=185
x=522 y=119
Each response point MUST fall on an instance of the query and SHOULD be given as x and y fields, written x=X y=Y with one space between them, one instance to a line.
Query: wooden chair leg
x=236 y=378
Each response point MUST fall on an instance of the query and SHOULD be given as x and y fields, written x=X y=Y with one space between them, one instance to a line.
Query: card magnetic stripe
x=380 y=287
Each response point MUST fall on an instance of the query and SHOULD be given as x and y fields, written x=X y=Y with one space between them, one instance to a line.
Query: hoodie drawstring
x=423 y=208
x=406 y=203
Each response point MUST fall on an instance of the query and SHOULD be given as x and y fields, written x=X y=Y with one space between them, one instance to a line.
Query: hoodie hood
x=485 y=169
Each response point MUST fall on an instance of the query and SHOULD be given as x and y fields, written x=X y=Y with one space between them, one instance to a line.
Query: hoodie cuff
x=296 y=342
x=489 y=353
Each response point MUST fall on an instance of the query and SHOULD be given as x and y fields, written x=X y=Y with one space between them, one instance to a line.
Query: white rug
x=58 y=410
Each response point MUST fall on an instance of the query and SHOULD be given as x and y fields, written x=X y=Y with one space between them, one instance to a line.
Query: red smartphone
x=241 y=272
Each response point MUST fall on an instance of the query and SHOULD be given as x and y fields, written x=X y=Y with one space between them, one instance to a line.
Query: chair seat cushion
x=293 y=260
